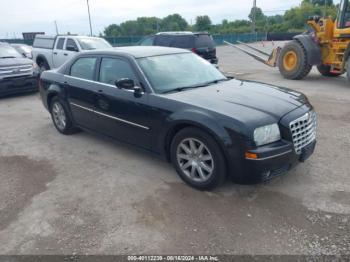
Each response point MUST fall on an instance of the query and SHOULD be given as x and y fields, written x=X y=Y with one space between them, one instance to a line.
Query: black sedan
x=177 y=105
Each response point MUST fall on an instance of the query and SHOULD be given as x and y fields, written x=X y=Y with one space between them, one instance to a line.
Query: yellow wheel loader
x=326 y=45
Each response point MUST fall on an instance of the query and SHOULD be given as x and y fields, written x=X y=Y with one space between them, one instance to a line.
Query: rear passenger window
x=84 y=68
x=113 y=69
x=60 y=43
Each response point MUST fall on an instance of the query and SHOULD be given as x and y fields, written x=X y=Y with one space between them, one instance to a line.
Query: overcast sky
x=17 y=16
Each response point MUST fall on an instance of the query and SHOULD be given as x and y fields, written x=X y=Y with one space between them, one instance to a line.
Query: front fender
x=229 y=141
x=313 y=50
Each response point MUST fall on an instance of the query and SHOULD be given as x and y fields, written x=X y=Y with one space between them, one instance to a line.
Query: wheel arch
x=54 y=90
x=41 y=59
x=313 y=50
x=175 y=128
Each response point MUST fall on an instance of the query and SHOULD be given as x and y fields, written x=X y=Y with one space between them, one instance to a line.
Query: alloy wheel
x=59 y=116
x=195 y=160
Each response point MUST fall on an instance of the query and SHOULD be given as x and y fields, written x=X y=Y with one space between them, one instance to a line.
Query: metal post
x=87 y=2
x=254 y=16
x=56 y=27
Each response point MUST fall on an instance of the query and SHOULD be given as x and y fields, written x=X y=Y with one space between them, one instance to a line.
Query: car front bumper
x=21 y=84
x=273 y=160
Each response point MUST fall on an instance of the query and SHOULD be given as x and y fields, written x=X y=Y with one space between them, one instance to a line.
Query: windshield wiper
x=180 y=89
x=217 y=81
x=4 y=57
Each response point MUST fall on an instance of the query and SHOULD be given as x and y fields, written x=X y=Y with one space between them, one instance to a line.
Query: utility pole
x=87 y=2
x=56 y=27
x=254 y=17
x=325 y=8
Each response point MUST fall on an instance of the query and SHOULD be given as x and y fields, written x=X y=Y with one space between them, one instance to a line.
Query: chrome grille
x=11 y=71
x=303 y=130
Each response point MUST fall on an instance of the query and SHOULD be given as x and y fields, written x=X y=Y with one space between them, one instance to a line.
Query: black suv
x=17 y=74
x=200 y=43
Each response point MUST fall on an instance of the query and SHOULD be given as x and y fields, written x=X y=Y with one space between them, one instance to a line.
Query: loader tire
x=292 y=61
x=325 y=70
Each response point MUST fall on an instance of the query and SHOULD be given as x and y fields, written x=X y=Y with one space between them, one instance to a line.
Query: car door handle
x=65 y=54
x=55 y=53
x=100 y=91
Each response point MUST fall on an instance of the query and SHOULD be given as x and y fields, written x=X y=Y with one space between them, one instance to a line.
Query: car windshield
x=7 y=51
x=177 y=72
x=93 y=43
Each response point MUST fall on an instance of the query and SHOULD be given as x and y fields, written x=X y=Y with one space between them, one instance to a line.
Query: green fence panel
x=133 y=40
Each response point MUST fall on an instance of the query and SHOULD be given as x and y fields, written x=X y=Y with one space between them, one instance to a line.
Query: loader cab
x=343 y=20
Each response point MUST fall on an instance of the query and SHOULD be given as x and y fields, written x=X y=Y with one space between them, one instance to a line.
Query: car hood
x=5 y=62
x=249 y=99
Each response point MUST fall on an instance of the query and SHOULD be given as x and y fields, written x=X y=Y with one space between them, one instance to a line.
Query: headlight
x=35 y=68
x=267 y=134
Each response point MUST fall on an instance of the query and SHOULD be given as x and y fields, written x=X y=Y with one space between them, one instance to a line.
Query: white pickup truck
x=50 y=52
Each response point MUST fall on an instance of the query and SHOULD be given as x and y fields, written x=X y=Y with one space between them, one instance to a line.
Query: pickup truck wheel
x=43 y=66
x=61 y=117
x=198 y=159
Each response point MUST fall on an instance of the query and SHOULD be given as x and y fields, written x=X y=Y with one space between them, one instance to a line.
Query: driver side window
x=113 y=69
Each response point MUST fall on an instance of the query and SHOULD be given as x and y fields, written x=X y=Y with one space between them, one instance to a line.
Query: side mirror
x=125 y=83
x=72 y=48
x=128 y=84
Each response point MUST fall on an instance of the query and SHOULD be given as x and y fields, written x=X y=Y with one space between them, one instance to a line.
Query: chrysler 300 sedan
x=177 y=105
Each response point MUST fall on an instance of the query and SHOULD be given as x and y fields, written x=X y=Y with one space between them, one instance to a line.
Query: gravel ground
x=86 y=194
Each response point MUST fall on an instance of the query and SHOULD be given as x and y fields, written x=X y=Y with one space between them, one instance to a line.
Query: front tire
x=325 y=70
x=43 y=66
x=198 y=159
x=292 y=61
x=61 y=117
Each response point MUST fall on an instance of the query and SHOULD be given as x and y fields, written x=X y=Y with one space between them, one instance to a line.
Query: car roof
x=18 y=44
x=139 y=51
x=176 y=33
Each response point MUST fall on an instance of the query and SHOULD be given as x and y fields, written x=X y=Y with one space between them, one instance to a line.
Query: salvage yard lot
x=89 y=195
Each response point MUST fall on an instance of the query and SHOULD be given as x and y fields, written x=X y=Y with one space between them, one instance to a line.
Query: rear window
x=179 y=41
x=183 y=41
x=44 y=43
x=204 y=41
x=162 y=40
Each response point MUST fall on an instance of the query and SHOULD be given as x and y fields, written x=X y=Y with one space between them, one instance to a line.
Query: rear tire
x=292 y=61
x=325 y=70
x=61 y=116
x=198 y=159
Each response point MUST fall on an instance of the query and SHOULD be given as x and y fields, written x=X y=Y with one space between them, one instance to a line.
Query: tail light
x=194 y=50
